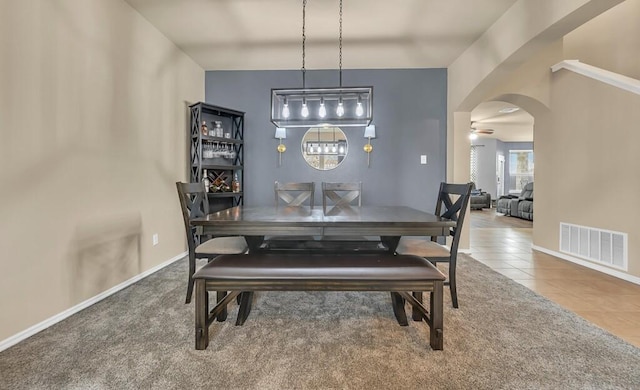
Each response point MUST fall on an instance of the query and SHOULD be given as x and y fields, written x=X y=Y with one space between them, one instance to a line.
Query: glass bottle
x=235 y=184
x=206 y=181
x=219 y=132
x=204 y=129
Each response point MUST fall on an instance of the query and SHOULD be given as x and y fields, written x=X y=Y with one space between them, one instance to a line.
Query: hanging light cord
x=340 y=64
x=304 y=38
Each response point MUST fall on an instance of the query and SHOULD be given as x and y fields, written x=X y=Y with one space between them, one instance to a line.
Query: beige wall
x=591 y=162
x=585 y=143
x=532 y=78
x=592 y=148
x=611 y=41
x=522 y=31
x=504 y=49
x=92 y=121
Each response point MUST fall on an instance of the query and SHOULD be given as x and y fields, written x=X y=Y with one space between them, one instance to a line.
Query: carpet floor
x=503 y=336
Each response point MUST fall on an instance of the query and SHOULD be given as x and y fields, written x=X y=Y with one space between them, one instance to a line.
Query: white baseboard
x=588 y=264
x=15 y=339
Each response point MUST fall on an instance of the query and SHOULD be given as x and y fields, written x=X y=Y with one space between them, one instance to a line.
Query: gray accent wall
x=410 y=118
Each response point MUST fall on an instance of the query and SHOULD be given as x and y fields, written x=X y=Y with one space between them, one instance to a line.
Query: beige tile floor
x=609 y=302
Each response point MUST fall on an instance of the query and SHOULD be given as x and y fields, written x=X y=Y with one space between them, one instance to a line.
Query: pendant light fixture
x=311 y=107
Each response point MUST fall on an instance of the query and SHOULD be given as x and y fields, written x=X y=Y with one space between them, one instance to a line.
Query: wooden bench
x=243 y=274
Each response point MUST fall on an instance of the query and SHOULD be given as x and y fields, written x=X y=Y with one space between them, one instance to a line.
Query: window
x=520 y=169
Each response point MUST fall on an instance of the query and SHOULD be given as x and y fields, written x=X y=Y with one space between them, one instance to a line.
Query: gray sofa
x=517 y=206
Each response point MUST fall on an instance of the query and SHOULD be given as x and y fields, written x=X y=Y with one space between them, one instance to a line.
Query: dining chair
x=293 y=194
x=340 y=196
x=453 y=200
x=194 y=204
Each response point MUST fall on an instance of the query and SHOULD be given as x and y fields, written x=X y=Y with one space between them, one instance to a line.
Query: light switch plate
x=423 y=159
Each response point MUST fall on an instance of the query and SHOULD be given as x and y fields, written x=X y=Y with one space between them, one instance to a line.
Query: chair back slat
x=341 y=195
x=453 y=200
x=193 y=204
x=294 y=194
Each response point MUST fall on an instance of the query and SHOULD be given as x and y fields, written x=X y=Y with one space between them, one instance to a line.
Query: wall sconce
x=281 y=133
x=369 y=132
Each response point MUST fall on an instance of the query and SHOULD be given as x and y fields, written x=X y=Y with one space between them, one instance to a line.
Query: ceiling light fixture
x=324 y=107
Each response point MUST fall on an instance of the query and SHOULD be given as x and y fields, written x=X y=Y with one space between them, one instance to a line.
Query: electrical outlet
x=423 y=159
x=155 y=239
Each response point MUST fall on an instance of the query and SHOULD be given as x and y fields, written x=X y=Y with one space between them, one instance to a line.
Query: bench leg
x=202 y=312
x=436 y=326
x=246 y=298
x=398 y=308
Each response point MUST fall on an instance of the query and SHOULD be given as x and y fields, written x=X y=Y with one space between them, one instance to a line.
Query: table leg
x=254 y=242
x=246 y=298
x=390 y=242
x=398 y=308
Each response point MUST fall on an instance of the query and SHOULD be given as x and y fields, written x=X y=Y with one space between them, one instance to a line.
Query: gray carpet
x=503 y=337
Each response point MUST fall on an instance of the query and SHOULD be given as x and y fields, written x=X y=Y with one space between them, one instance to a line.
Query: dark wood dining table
x=387 y=222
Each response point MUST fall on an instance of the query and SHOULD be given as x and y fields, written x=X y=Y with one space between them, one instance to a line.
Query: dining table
x=389 y=223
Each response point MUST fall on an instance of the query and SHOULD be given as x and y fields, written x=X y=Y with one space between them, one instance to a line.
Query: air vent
x=598 y=245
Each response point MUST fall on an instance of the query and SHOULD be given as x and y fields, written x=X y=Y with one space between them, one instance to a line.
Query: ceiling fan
x=475 y=131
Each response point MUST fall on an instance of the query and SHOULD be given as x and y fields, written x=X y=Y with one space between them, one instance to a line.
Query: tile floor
x=609 y=302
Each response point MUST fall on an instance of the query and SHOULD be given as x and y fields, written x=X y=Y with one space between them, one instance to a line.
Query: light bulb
x=341 y=149
x=326 y=148
x=359 y=109
x=305 y=110
x=473 y=136
x=322 y=112
x=333 y=148
x=340 y=109
x=285 y=111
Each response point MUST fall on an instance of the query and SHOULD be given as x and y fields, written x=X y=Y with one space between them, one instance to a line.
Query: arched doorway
x=462 y=146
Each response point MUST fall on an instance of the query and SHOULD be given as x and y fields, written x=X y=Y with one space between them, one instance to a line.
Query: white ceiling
x=512 y=127
x=267 y=34
x=377 y=34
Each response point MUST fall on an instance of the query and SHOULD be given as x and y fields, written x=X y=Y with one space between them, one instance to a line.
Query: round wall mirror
x=324 y=148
